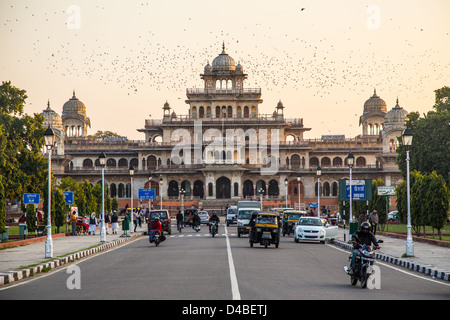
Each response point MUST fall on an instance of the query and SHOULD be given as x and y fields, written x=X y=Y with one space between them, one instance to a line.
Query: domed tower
x=394 y=124
x=74 y=118
x=372 y=119
x=54 y=121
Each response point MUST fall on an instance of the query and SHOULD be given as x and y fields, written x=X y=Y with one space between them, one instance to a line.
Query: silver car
x=204 y=217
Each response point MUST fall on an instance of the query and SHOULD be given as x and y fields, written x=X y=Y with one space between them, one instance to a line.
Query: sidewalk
x=428 y=259
x=65 y=250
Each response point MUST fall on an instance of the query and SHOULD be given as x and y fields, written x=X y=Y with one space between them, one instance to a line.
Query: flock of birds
x=274 y=62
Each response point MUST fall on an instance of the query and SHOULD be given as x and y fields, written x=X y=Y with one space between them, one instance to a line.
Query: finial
x=223 y=47
x=48 y=103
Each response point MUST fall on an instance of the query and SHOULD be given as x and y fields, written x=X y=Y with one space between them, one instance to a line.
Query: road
x=194 y=266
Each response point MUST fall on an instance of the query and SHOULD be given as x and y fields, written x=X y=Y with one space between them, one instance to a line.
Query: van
x=231 y=215
x=164 y=219
x=245 y=209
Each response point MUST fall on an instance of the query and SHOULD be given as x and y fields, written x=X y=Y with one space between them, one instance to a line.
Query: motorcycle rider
x=362 y=236
x=158 y=227
x=215 y=218
x=195 y=220
x=180 y=218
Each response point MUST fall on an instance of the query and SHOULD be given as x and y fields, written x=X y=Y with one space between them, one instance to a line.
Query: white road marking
x=234 y=283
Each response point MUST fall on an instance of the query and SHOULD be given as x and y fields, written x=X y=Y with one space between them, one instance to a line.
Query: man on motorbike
x=195 y=220
x=215 y=218
x=363 y=236
x=179 y=219
x=158 y=227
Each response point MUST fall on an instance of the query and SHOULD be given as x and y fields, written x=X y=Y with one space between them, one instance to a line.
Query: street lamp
x=102 y=160
x=149 y=186
x=350 y=163
x=407 y=142
x=299 y=179
x=286 y=185
x=161 y=182
x=49 y=139
x=182 y=193
x=319 y=173
x=131 y=171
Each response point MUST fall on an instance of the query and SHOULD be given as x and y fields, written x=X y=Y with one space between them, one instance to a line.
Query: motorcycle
x=363 y=264
x=179 y=226
x=197 y=227
x=213 y=228
x=154 y=237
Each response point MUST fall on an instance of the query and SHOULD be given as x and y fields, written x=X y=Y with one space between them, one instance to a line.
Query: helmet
x=365 y=226
x=214 y=213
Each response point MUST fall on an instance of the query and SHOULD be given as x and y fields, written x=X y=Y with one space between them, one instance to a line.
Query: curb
x=16 y=275
x=425 y=269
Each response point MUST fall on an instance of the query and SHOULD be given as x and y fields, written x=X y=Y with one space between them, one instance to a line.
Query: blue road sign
x=31 y=198
x=358 y=189
x=68 y=196
x=146 y=193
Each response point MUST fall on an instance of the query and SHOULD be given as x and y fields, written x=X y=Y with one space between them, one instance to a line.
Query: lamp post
x=350 y=163
x=49 y=138
x=149 y=186
x=182 y=192
x=286 y=185
x=407 y=141
x=319 y=173
x=261 y=193
x=299 y=179
x=131 y=171
x=102 y=160
x=161 y=182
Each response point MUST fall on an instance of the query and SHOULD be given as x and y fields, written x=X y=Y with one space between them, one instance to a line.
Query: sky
x=321 y=58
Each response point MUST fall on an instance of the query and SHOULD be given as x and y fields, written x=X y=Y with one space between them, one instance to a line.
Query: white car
x=314 y=229
x=204 y=217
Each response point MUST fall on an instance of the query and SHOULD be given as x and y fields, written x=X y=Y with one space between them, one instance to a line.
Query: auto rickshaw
x=290 y=218
x=264 y=229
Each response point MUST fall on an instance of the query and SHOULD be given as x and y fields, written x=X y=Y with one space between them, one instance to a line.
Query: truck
x=245 y=209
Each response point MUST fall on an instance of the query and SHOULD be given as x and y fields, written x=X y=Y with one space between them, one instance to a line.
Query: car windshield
x=245 y=214
x=161 y=214
x=294 y=216
x=265 y=219
x=310 y=222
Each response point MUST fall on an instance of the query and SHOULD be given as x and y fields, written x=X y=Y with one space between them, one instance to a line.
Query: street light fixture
x=102 y=160
x=299 y=179
x=286 y=185
x=131 y=171
x=350 y=163
x=49 y=139
x=149 y=186
x=407 y=137
x=161 y=182
x=319 y=173
x=182 y=193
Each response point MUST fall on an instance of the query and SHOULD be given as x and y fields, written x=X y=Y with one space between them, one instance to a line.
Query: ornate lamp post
x=286 y=185
x=299 y=179
x=319 y=173
x=102 y=160
x=407 y=137
x=350 y=163
x=182 y=193
x=49 y=138
x=161 y=182
x=131 y=171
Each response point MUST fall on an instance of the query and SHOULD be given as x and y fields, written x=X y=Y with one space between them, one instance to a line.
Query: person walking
x=114 y=222
x=92 y=223
x=73 y=221
x=373 y=220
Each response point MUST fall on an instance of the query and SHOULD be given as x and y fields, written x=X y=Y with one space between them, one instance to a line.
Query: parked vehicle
x=204 y=217
x=363 y=264
x=231 y=215
x=244 y=213
x=314 y=229
x=265 y=230
x=164 y=218
x=393 y=216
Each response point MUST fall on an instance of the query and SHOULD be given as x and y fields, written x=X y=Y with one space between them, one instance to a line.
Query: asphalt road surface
x=194 y=266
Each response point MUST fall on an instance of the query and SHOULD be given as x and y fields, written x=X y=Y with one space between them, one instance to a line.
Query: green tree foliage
x=60 y=208
x=114 y=204
x=430 y=150
x=21 y=164
x=31 y=217
x=378 y=202
x=437 y=204
x=2 y=207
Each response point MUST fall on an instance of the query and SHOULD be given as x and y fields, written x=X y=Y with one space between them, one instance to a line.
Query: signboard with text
x=146 y=194
x=31 y=198
x=361 y=190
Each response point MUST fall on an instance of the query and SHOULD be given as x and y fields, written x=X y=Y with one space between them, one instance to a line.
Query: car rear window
x=161 y=214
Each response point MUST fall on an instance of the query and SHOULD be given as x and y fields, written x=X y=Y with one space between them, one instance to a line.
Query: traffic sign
x=68 y=197
x=146 y=194
x=31 y=198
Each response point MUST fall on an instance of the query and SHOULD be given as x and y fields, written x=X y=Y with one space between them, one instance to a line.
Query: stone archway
x=223 y=188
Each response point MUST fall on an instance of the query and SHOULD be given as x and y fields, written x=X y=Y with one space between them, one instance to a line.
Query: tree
x=437 y=204
x=21 y=164
x=2 y=207
x=378 y=202
x=31 y=217
x=60 y=208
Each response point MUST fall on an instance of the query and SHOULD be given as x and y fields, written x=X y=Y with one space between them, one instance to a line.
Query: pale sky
x=124 y=59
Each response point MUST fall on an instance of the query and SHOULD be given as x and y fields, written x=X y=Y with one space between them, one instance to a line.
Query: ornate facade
x=224 y=149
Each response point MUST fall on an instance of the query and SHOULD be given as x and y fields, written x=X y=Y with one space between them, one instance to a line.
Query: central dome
x=375 y=103
x=223 y=62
